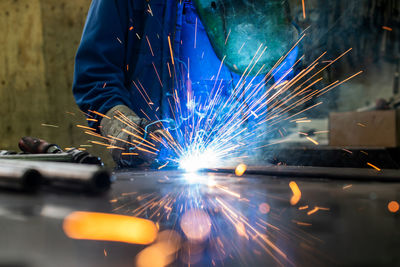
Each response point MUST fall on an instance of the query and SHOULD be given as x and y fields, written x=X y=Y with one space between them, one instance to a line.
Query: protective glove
x=134 y=141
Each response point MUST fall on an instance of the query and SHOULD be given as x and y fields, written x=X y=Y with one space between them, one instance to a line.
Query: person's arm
x=100 y=60
x=99 y=79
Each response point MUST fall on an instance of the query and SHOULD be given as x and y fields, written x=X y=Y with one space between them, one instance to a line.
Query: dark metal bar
x=59 y=157
x=19 y=177
x=365 y=175
x=90 y=177
x=73 y=155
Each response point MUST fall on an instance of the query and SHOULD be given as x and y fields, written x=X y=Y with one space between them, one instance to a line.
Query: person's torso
x=153 y=77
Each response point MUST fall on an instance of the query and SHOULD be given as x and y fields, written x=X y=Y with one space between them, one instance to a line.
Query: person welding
x=129 y=48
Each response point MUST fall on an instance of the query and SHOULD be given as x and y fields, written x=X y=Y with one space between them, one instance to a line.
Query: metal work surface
x=253 y=220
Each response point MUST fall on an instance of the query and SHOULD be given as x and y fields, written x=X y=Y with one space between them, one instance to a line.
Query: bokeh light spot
x=393 y=206
x=162 y=252
x=240 y=169
x=264 y=208
x=196 y=224
x=109 y=227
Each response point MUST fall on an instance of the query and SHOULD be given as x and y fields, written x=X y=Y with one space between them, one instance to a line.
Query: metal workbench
x=353 y=228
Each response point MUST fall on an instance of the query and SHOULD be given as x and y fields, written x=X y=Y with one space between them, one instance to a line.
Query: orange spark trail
x=137 y=136
x=240 y=49
x=169 y=70
x=162 y=166
x=100 y=114
x=144 y=90
x=302 y=223
x=373 y=166
x=226 y=190
x=304 y=8
x=170 y=50
x=345 y=80
x=107 y=145
x=296 y=193
x=130 y=143
x=148 y=42
x=97 y=135
x=312 y=140
x=314 y=210
x=347 y=186
x=85 y=127
x=227 y=37
x=158 y=76
x=148 y=101
x=49 y=125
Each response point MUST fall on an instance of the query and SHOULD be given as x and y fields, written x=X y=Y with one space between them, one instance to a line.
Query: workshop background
x=39 y=39
x=318 y=215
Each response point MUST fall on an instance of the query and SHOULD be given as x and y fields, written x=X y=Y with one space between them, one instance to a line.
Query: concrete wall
x=38 y=42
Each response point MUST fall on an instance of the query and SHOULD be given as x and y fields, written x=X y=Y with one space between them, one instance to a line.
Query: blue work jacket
x=124 y=56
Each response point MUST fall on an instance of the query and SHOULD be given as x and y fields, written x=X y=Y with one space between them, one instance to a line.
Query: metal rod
x=365 y=175
x=59 y=157
x=73 y=155
x=20 y=177
x=91 y=177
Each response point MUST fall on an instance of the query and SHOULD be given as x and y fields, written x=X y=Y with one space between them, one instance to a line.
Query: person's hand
x=134 y=141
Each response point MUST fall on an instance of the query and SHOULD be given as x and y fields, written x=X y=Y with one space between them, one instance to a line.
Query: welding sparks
x=215 y=219
x=207 y=131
